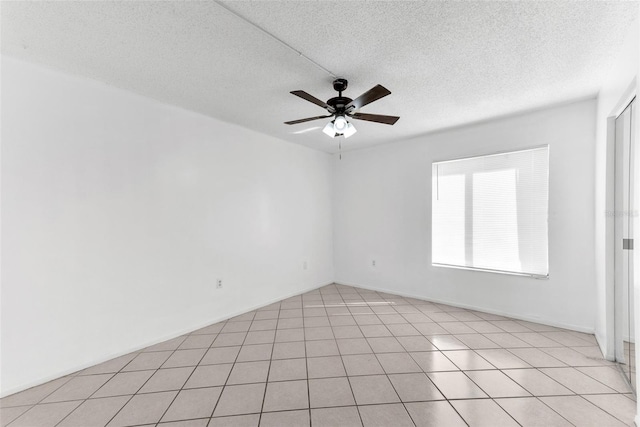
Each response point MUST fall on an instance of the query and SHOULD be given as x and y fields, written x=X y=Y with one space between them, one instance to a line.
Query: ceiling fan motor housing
x=339 y=102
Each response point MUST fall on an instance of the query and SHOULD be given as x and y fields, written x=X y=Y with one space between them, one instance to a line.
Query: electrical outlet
x=218 y=283
x=373 y=263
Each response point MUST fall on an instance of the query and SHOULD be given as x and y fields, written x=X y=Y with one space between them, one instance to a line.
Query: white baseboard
x=548 y=322
x=146 y=344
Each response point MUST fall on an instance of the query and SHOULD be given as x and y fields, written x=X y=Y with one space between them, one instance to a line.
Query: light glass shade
x=340 y=124
x=329 y=130
x=350 y=130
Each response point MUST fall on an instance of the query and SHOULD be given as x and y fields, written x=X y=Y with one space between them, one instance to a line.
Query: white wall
x=119 y=213
x=382 y=211
x=616 y=92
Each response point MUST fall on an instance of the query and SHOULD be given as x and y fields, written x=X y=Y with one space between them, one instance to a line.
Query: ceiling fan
x=341 y=107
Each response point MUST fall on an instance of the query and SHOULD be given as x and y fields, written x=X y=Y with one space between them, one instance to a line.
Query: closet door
x=625 y=207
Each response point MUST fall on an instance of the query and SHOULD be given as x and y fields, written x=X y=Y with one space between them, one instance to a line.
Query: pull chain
x=340 y=148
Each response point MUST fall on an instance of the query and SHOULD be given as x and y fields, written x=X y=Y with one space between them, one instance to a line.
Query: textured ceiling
x=446 y=63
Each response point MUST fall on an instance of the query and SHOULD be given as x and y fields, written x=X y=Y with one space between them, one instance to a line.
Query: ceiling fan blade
x=308 y=119
x=304 y=95
x=378 y=118
x=368 y=97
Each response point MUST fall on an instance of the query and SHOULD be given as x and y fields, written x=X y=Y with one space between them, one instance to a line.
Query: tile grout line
x=601 y=408
x=492 y=398
x=426 y=374
x=383 y=369
x=306 y=364
x=235 y=361
x=499 y=369
x=460 y=370
x=189 y=377
x=266 y=383
x=160 y=367
x=135 y=394
x=113 y=375
x=581 y=395
x=39 y=401
x=355 y=403
x=536 y=397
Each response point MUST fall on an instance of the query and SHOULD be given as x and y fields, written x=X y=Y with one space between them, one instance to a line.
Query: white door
x=624 y=211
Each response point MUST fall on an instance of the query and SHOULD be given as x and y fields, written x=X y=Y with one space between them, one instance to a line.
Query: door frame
x=628 y=96
x=623 y=171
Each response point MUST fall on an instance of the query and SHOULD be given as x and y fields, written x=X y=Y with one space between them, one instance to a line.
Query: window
x=490 y=212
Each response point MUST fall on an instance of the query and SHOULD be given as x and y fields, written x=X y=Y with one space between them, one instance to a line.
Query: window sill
x=487 y=270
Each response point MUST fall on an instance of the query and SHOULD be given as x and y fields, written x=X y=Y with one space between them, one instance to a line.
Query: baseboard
x=476 y=308
x=146 y=344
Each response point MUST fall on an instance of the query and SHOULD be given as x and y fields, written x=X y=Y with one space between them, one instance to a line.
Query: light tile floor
x=342 y=356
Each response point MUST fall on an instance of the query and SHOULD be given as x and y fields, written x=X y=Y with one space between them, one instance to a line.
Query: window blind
x=491 y=212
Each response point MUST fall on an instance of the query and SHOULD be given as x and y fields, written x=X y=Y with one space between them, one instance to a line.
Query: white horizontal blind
x=490 y=212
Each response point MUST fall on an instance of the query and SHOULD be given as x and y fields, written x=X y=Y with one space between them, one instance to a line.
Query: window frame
x=488 y=270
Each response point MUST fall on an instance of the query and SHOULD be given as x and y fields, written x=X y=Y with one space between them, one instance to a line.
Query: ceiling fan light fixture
x=350 y=130
x=329 y=130
x=340 y=124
